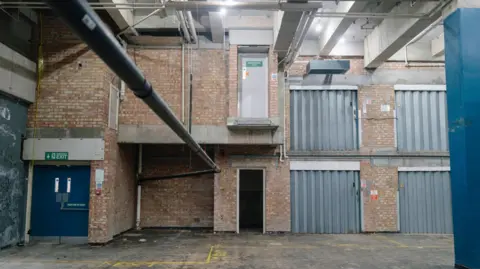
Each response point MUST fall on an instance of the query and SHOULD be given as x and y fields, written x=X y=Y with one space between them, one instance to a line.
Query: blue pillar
x=462 y=59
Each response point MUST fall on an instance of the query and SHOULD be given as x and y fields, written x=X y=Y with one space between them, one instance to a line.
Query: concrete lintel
x=393 y=34
x=438 y=46
x=336 y=27
x=380 y=77
x=87 y=132
x=203 y=134
x=78 y=149
x=250 y=37
x=325 y=165
x=216 y=27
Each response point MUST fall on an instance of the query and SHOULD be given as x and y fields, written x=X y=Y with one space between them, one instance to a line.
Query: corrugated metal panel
x=421 y=120
x=323 y=120
x=425 y=202
x=325 y=201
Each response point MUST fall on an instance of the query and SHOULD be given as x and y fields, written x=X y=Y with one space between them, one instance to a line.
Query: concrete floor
x=186 y=249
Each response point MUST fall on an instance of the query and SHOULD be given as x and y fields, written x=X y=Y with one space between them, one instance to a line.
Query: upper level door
x=253 y=78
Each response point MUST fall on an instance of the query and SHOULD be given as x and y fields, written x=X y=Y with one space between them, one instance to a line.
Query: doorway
x=251 y=200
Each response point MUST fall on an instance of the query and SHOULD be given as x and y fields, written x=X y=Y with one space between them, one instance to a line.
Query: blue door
x=60 y=196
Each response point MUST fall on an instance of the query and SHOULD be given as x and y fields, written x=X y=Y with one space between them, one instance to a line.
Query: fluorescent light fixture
x=318 y=28
x=223 y=11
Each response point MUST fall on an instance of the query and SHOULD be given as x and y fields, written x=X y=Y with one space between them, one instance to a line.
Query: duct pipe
x=90 y=28
x=191 y=26
x=189 y=174
x=183 y=25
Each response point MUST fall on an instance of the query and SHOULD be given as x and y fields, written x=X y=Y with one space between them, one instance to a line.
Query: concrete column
x=462 y=59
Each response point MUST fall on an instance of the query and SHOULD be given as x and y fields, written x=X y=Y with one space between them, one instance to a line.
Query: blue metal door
x=60 y=196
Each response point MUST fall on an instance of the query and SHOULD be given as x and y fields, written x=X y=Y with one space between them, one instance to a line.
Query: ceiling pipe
x=186 y=5
x=183 y=25
x=191 y=26
x=78 y=15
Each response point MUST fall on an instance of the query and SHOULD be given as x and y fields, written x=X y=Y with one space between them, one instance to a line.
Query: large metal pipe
x=90 y=28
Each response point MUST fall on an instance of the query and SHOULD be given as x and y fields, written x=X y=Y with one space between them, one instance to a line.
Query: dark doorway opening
x=251 y=200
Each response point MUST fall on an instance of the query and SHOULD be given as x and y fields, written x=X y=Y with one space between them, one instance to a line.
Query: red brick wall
x=74 y=93
x=180 y=202
x=71 y=92
x=377 y=125
x=277 y=193
x=381 y=214
x=163 y=68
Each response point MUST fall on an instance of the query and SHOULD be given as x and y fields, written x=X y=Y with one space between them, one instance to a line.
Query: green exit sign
x=254 y=64
x=56 y=156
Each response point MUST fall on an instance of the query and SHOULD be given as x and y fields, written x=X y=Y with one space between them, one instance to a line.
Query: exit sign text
x=56 y=156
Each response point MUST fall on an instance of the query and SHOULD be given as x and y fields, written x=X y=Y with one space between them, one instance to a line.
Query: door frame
x=31 y=167
x=259 y=55
x=238 y=196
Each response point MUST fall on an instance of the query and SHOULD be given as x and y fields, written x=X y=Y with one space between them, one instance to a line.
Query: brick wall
x=180 y=202
x=74 y=93
x=277 y=193
x=381 y=214
x=377 y=133
x=71 y=72
x=163 y=68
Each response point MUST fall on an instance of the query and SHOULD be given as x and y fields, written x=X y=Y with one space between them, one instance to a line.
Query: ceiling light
x=223 y=11
x=341 y=40
x=229 y=2
x=318 y=28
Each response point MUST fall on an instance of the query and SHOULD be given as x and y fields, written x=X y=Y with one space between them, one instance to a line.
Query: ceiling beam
x=393 y=34
x=217 y=27
x=335 y=28
x=438 y=46
x=122 y=17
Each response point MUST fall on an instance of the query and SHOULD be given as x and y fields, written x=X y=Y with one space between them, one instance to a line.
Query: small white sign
x=57 y=180
x=99 y=176
x=88 y=22
x=69 y=184
x=274 y=76
x=385 y=108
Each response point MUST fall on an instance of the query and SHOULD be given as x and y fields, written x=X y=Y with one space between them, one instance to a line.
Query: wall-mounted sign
x=99 y=178
x=254 y=64
x=56 y=156
x=374 y=195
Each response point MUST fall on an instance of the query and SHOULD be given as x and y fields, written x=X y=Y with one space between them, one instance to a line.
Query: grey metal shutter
x=425 y=202
x=323 y=120
x=13 y=120
x=421 y=120
x=325 y=202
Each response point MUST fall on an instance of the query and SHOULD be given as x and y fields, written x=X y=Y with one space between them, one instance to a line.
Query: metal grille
x=325 y=202
x=421 y=121
x=425 y=202
x=323 y=120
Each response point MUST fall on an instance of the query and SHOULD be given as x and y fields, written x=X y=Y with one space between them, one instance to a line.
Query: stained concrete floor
x=188 y=249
